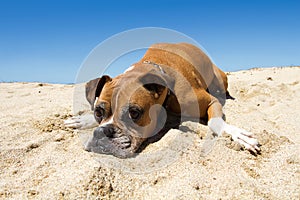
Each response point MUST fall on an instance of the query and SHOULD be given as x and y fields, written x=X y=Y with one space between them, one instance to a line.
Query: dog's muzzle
x=109 y=140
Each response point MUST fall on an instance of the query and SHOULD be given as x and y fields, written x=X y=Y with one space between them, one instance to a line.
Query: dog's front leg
x=81 y=122
x=219 y=126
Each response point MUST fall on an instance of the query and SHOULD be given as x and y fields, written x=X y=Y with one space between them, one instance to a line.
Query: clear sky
x=47 y=41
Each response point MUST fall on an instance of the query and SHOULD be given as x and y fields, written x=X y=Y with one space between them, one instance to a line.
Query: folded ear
x=155 y=83
x=93 y=89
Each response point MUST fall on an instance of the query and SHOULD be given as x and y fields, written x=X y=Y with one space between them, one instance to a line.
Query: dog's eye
x=134 y=113
x=99 y=113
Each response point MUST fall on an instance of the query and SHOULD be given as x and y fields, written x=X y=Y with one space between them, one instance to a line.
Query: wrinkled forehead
x=126 y=91
x=108 y=90
x=126 y=88
x=131 y=92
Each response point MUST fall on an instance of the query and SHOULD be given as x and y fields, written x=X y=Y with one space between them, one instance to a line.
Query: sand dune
x=40 y=158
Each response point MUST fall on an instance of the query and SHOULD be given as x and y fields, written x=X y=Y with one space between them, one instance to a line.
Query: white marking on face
x=129 y=69
x=110 y=121
x=95 y=102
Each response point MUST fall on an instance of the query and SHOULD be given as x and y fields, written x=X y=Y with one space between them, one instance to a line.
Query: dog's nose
x=99 y=133
x=107 y=131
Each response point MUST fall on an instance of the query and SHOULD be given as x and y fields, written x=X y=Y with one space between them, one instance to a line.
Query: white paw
x=81 y=122
x=243 y=137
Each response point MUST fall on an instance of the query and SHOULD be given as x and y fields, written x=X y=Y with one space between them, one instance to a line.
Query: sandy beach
x=42 y=159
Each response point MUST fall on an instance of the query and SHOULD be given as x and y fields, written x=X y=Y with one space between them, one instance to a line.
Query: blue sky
x=47 y=41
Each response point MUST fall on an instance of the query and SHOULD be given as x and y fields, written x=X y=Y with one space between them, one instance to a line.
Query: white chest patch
x=129 y=69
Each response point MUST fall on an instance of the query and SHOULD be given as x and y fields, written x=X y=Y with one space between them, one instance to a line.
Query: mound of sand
x=40 y=158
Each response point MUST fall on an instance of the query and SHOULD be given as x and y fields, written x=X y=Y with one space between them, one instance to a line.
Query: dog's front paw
x=243 y=137
x=81 y=122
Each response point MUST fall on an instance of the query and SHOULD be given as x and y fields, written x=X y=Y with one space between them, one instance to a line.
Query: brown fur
x=193 y=65
x=184 y=78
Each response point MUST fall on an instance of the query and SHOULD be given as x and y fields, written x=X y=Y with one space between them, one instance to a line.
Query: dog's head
x=128 y=108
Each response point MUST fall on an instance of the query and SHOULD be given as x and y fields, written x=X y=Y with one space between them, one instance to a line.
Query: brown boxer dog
x=170 y=80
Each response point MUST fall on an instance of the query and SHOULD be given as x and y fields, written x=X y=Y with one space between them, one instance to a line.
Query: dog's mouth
x=119 y=145
x=125 y=143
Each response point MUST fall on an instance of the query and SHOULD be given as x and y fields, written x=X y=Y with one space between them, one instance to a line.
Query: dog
x=170 y=80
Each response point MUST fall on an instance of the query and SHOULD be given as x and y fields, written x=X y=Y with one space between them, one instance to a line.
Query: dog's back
x=190 y=60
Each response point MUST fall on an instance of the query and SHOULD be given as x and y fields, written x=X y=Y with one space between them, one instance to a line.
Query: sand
x=41 y=159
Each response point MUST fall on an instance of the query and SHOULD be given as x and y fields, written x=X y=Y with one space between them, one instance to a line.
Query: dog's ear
x=93 y=89
x=155 y=83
